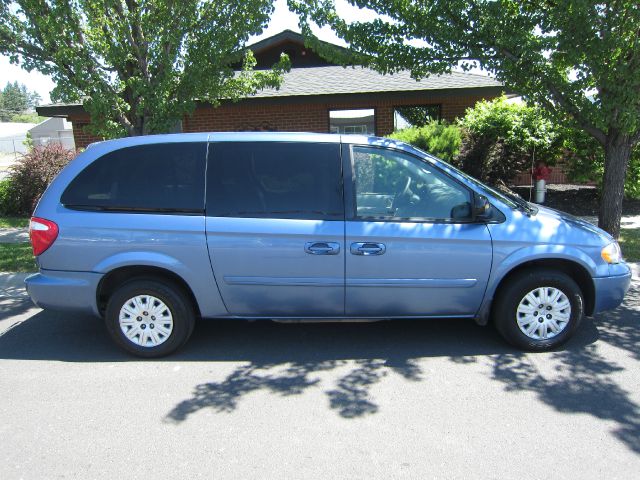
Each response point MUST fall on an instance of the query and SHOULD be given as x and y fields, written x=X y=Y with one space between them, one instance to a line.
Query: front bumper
x=610 y=290
x=58 y=290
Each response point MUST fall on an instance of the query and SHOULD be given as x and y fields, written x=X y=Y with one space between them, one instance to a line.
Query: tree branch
x=133 y=30
x=591 y=129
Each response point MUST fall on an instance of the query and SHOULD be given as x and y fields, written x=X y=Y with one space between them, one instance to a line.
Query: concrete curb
x=635 y=270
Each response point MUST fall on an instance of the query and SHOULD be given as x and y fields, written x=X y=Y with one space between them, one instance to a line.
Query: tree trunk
x=617 y=151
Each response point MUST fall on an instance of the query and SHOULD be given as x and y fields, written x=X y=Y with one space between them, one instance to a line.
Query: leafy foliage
x=585 y=161
x=15 y=100
x=494 y=141
x=138 y=66
x=575 y=58
x=437 y=138
x=8 y=200
x=502 y=138
x=30 y=176
x=27 y=118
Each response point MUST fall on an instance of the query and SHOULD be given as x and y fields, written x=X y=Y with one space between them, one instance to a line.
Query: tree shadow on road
x=581 y=378
x=14 y=305
x=621 y=327
x=284 y=359
x=349 y=397
x=289 y=360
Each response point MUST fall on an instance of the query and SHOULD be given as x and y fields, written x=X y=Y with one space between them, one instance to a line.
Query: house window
x=361 y=121
x=414 y=115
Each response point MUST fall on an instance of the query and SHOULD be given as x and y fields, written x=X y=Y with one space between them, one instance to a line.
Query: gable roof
x=333 y=80
x=282 y=37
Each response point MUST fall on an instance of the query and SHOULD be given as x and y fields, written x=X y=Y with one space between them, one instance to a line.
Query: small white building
x=53 y=129
x=12 y=144
x=13 y=136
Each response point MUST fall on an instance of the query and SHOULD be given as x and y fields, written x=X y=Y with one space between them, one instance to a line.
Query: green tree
x=15 y=100
x=138 y=65
x=577 y=58
x=34 y=99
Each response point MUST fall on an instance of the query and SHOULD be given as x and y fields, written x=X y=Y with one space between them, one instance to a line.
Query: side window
x=165 y=177
x=275 y=180
x=393 y=185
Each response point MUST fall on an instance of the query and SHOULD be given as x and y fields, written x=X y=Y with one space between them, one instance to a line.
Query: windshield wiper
x=523 y=205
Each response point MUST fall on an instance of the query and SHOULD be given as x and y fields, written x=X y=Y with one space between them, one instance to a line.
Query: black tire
x=505 y=309
x=174 y=298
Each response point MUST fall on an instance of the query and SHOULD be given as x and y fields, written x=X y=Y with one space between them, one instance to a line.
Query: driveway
x=400 y=399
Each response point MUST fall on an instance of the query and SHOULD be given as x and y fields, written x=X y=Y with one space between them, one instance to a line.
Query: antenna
x=533 y=162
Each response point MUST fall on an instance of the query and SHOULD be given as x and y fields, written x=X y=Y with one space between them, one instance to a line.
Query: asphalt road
x=401 y=399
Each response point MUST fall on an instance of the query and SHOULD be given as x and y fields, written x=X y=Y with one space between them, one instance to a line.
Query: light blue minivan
x=152 y=232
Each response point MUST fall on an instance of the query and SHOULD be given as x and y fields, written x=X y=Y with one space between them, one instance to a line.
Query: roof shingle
x=331 y=80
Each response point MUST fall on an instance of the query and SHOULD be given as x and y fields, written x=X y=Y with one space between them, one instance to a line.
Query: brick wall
x=242 y=117
x=80 y=137
x=296 y=117
x=558 y=176
x=312 y=117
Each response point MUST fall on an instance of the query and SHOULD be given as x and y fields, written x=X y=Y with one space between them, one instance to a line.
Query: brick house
x=317 y=96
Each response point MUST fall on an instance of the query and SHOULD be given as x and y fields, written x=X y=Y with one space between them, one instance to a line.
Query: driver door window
x=394 y=185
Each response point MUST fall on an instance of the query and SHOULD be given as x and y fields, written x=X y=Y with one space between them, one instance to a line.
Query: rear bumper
x=610 y=291
x=58 y=290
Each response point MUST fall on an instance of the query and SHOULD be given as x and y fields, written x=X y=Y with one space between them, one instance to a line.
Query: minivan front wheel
x=148 y=318
x=539 y=309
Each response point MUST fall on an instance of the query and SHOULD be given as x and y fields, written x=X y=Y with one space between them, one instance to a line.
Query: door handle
x=322 y=248
x=367 y=248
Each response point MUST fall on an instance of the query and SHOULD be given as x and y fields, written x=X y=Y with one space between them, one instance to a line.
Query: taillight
x=42 y=233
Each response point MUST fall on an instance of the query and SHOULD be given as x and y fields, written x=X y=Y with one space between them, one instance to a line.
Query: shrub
x=32 y=173
x=437 y=138
x=499 y=140
x=632 y=183
x=8 y=202
x=27 y=118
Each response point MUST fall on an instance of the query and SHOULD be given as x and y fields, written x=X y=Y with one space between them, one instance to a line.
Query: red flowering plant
x=541 y=172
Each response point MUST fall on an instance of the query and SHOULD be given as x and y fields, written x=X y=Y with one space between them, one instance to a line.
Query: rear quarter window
x=167 y=177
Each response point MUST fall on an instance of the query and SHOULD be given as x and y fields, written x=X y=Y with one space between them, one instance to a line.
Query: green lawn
x=12 y=222
x=16 y=257
x=630 y=243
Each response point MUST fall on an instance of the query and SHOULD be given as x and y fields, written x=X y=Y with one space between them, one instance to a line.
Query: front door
x=412 y=248
x=275 y=227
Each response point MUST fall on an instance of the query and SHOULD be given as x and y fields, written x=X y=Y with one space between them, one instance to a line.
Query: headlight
x=612 y=253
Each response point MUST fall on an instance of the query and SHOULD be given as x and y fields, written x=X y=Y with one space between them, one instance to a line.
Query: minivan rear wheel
x=149 y=318
x=538 y=310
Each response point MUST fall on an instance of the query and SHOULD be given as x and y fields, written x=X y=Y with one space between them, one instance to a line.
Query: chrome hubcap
x=146 y=321
x=543 y=313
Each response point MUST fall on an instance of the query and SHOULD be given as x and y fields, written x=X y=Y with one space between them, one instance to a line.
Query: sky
x=281 y=19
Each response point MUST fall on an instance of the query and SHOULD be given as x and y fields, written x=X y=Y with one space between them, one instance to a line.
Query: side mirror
x=481 y=207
